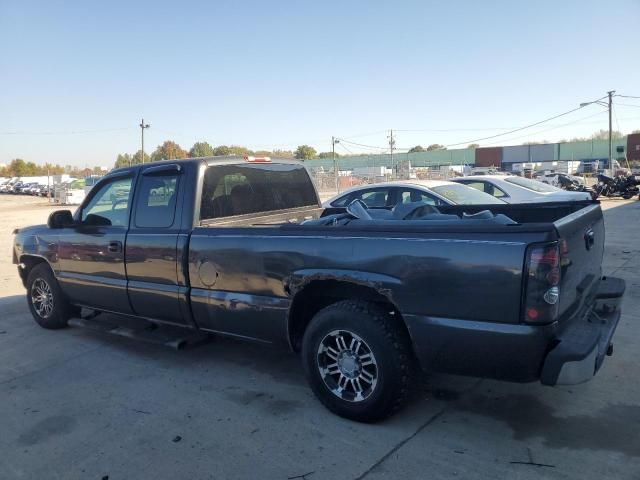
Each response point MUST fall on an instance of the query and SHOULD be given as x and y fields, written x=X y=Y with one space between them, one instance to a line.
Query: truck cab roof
x=208 y=161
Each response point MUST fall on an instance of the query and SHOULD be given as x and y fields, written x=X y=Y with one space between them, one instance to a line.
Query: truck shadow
x=524 y=410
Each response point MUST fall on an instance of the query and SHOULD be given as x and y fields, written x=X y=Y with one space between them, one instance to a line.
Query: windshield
x=463 y=195
x=534 y=185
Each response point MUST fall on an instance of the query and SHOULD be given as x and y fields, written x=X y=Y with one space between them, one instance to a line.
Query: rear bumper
x=582 y=346
x=554 y=354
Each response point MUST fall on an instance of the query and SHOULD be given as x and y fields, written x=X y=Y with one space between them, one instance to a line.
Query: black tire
x=54 y=311
x=391 y=360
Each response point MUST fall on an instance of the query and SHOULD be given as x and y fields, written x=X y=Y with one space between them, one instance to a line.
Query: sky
x=76 y=77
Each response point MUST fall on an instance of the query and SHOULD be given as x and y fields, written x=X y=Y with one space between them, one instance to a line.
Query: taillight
x=542 y=288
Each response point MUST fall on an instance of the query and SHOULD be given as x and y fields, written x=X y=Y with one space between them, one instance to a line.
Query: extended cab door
x=91 y=253
x=155 y=245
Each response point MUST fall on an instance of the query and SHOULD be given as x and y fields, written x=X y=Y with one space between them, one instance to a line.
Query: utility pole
x=609 y=105
x=392 y=146
x=48 y=184
x=336 y=172
x=142 y=127
x=610 y=94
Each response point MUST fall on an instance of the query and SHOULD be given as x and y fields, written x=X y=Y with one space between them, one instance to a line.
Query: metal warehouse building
x=500 y=157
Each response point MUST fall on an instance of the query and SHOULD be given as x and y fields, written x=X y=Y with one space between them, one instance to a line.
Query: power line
x=365 y=134
x=363 y=145
x=518 y=129
x=615 y=115
x=579 y=120
x=627 y=105
x=627 y=96
x=552 y=127
x=345 y=147
x=454 y=129
x=71 y=132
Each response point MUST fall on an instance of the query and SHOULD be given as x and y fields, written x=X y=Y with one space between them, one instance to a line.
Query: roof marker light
x=252 y=159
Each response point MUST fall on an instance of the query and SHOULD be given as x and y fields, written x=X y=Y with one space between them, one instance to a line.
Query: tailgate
x=581 y=249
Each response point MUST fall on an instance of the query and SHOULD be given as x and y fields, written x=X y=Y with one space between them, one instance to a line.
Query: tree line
x=20 y=168
x=170 y=150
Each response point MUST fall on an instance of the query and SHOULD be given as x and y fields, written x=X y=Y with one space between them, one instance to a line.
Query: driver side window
x=110 y=203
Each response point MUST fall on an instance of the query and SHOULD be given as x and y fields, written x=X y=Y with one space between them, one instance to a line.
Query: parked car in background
x=513 y=189
x=25 y=188
x=70 y=193
x=431 y=192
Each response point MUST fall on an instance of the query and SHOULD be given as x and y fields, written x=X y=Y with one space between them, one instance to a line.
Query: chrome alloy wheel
x=347 y=366
x=42 y=298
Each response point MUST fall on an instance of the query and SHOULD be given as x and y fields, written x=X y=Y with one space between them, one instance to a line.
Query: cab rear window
x=240 y=189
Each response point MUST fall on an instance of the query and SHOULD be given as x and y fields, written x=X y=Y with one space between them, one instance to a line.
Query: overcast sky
x=75 y=77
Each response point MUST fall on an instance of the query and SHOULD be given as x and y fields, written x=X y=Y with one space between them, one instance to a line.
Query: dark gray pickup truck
x=240 y=246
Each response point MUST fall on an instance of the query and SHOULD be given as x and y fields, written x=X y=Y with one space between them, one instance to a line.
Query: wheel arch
x=316 y=294
x=27 y=262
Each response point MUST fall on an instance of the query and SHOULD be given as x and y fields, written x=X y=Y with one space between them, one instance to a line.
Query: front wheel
x=358 y=361
x=48 y=305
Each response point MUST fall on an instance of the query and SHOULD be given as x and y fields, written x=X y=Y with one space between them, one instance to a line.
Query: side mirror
x=60 y=219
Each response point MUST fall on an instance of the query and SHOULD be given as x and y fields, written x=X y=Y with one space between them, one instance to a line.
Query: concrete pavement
x=76 y=404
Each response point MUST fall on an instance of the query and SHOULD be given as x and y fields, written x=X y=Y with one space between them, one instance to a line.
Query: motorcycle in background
x=567 y=183
x=619 y=186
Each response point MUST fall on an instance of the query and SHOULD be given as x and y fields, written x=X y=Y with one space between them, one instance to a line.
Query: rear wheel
x=48 y=305
x=358 y=360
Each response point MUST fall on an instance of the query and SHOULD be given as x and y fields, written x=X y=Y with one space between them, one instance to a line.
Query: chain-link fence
x=327 y=186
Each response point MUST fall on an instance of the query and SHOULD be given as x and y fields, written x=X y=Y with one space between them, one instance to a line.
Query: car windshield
x=463 y=195
x=534 y=185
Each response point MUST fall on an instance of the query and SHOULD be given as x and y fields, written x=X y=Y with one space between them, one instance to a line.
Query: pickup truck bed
x=512 y=292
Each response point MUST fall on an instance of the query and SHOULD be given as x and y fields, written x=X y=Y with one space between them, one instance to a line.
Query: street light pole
x=142 y=127
x=609 y=106
x=610 y=94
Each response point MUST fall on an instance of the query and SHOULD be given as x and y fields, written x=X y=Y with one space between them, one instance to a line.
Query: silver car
x=431 y=192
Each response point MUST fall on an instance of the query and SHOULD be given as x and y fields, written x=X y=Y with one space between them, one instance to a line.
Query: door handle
x=115 y=246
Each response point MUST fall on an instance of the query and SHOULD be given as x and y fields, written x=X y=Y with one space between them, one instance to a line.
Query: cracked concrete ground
x=77 y=404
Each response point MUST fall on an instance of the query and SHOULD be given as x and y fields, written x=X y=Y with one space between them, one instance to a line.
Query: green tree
x=417 y=149
x=263 y=153
x=473 y=145
x=137 y=158
x=239 y=150
x=305 y=152
x=283 y=153
x=169 y=150
x=327 y=155
x=123 y=161
x=201 y=149
x=18 y=167
x=435 y=146
x=222 y=150
x=32 y=168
